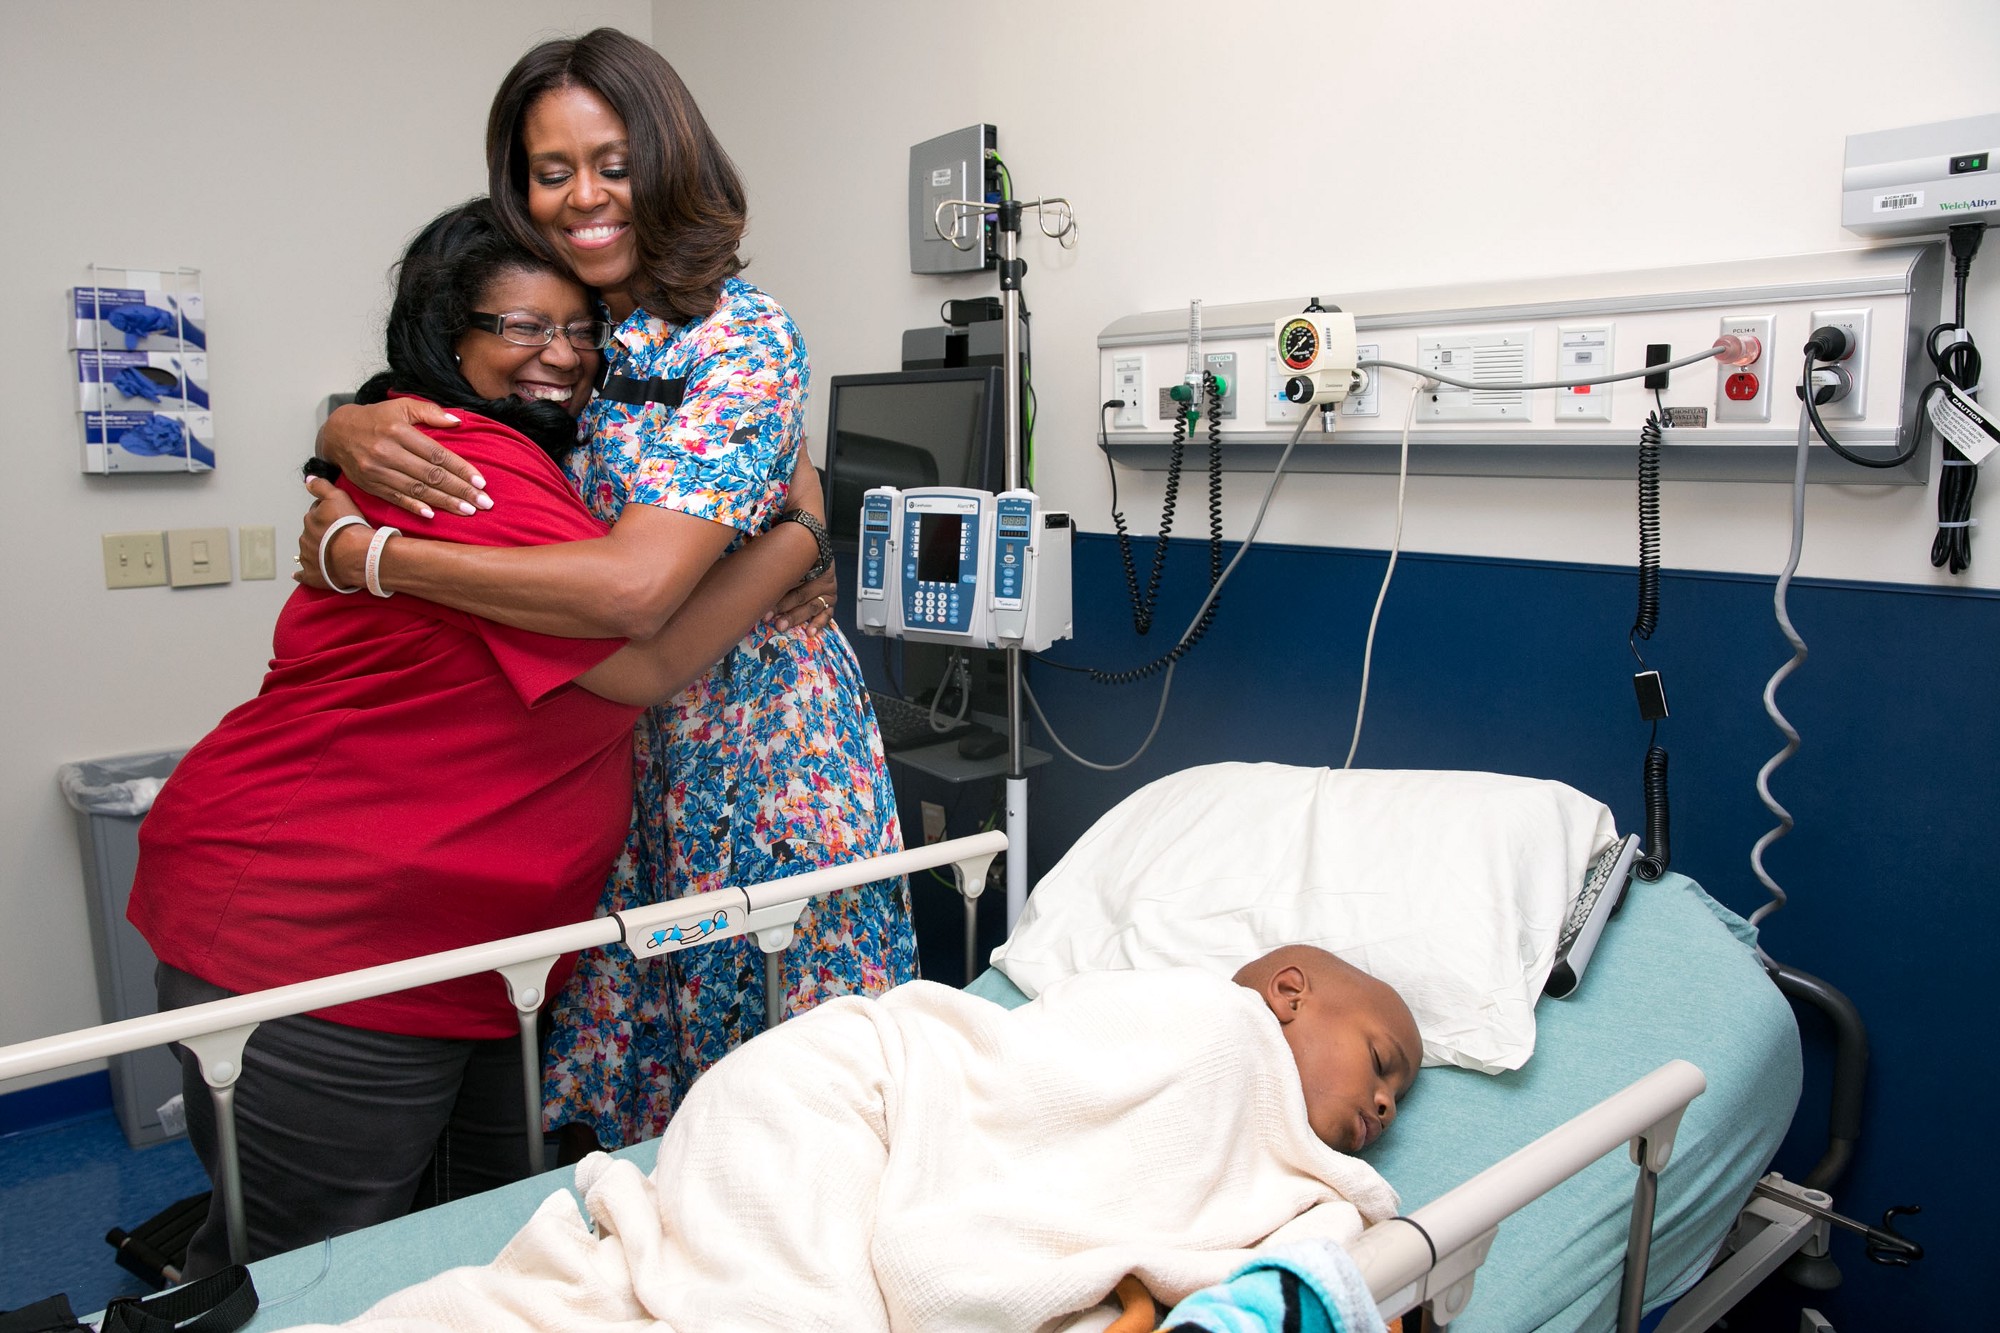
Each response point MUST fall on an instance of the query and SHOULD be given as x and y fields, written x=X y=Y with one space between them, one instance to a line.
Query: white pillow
x=1451 y=887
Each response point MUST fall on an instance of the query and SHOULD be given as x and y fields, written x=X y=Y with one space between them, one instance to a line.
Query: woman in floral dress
x=770 y=765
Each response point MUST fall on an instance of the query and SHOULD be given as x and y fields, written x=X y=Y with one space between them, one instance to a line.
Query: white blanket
x=930 y=1161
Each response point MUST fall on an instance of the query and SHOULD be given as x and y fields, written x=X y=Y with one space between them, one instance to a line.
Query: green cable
x=1006 y=179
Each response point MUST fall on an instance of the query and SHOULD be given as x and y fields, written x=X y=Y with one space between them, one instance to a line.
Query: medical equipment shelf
x=217 y=1032
x=1683 y=307
x=944 y=762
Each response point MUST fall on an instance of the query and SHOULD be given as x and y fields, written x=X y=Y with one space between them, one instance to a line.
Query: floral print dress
x=770 y=765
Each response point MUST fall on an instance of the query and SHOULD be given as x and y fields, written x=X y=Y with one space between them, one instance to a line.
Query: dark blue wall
x=1522 y=667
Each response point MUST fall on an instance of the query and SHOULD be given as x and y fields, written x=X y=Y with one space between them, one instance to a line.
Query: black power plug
x=1829 y=343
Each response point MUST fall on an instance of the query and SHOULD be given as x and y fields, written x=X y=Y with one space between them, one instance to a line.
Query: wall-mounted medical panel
x=1730 y=422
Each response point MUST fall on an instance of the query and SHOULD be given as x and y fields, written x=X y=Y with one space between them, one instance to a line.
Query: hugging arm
x=380 y=449
x=625 y=585
x=724 y=606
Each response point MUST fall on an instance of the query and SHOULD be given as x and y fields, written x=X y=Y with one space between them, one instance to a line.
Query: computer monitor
x=911 y=428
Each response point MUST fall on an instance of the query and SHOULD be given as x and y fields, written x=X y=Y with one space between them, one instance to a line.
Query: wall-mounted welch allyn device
x=949 y=564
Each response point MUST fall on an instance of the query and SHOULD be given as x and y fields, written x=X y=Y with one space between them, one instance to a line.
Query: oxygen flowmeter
x=947 y=564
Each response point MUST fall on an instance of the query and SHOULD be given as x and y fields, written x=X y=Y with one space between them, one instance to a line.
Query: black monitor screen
x=916 y=428
x=937 y=547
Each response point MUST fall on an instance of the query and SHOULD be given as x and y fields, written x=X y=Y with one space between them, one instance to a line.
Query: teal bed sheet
x=1672 y=978
x=364 y=1266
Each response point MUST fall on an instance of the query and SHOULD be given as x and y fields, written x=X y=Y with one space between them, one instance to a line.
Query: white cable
x=1167 y=683
x=956 y=671
x=1660 y=369
x=325 y=1265
x=1785 y=822
x=1402 y=480
x=1395 y=547
x=1166 y=688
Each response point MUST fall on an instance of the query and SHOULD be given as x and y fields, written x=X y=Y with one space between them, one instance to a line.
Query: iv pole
x=1011 y=268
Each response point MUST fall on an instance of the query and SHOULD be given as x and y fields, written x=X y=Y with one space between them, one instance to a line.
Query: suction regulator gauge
x=1298 y=344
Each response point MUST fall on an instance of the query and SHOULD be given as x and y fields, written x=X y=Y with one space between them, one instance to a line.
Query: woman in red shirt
x=412 y=778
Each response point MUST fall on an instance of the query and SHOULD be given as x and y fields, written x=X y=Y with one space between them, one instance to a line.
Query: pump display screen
x=937 y=547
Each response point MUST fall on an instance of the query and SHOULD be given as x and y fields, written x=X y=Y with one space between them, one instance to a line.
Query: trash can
x=111 y=797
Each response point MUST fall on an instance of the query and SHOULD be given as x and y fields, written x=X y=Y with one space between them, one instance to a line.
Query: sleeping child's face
x=1355 y=1043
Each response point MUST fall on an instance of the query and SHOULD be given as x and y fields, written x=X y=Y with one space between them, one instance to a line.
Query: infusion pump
x=944 y=564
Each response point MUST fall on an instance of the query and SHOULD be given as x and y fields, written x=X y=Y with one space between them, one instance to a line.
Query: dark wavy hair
x=688 y=207
x=440 y=281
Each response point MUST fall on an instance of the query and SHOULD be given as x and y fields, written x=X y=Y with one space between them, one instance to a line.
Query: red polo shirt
x=409 y=779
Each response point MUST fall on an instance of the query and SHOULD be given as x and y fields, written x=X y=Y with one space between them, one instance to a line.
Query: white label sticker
x=941 y=176
x=1969 y=427
x=1896 y=203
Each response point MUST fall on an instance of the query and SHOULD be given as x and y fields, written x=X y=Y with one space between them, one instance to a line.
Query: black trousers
x=338 y=1128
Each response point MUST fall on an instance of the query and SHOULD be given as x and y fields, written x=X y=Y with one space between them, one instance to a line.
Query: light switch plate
x=135 y=560
x=197 y=555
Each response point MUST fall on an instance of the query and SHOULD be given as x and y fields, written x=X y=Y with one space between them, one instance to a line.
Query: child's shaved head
x=1355 y=1043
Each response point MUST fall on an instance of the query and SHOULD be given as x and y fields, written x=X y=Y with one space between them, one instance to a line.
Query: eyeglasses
x=518 y=326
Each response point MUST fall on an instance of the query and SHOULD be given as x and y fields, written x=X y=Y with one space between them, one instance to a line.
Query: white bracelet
x=373 y=569
x=326 y=539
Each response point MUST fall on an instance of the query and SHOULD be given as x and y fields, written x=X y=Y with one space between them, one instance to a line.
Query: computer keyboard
x=905 y=725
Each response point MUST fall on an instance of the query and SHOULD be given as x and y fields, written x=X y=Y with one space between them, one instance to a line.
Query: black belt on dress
x=625 y=389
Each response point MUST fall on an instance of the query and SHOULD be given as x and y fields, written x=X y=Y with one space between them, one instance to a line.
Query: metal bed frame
x=1429 y=1258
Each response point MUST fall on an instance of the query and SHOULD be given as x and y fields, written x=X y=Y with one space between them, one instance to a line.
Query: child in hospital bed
x=928 y=1160
x=1352 y=1037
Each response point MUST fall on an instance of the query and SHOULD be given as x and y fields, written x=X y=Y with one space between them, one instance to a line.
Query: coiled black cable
x=1212 y=387
x=1958 y=363
x=1648 y=618
x=1653 y=791
x=1653 y=783
x=1143 y=608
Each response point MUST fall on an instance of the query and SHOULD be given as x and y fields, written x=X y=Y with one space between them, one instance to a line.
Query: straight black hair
x=688 y=206
x=440 y=281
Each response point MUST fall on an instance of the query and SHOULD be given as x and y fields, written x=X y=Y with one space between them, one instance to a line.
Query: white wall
x=287 y=150
x=1234 y=153
x=1266 y=151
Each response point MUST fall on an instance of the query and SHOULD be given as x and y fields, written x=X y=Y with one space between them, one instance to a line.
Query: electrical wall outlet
x=135 y=559
x=1855 y=324
x=1743 y=393
x=1367 y=403
x=1128 y=381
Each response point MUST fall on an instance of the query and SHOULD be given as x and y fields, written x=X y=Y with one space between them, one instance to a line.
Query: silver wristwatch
x=818 y=530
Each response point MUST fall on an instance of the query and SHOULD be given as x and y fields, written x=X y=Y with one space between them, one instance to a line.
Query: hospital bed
x=1671 y=980
x=1675 y=1004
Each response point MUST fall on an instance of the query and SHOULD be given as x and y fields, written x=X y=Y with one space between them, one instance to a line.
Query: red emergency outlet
x=1740 y=387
